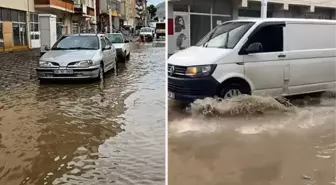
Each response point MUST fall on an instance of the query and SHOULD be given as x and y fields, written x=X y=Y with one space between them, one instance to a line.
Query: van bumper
x=190 y=89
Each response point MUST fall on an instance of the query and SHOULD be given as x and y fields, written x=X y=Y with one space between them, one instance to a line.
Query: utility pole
x=110 y=18
x=263 y=9
x=95 y=16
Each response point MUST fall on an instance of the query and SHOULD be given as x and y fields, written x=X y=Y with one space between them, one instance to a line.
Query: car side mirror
x=255 y=47
x=127 y=41
x=47 y=48
x=107 y=47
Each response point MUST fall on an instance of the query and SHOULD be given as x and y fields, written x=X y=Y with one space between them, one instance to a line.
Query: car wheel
x=101 y=72
x=232 y=90
x=128 y=56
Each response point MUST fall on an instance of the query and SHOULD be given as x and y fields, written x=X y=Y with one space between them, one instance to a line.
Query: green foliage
x=152 y=10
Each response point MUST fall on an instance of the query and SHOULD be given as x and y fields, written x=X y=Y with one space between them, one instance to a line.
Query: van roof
x=261 y=20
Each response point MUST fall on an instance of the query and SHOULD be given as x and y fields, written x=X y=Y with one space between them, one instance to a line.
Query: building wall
x=18 y=4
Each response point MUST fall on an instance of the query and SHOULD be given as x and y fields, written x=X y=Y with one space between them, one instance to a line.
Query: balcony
x=51 y=5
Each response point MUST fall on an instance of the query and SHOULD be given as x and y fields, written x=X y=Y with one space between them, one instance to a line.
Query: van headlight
x=84 y=63
x=199 y=71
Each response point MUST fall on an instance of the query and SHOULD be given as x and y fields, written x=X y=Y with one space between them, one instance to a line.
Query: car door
x=110 y=53
x=126 y=45
x=106 y=53
x=266 y=68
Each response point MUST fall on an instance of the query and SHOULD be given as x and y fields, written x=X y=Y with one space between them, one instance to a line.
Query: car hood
x=63 y=57
x=198 y=56
x=118 y=45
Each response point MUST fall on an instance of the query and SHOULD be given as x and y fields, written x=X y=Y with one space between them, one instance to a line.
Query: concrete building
x=19 y=21
x=117 y=11
x=198 y=17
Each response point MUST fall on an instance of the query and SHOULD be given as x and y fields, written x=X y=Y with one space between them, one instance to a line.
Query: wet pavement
x=90 y=132
x=254 y=140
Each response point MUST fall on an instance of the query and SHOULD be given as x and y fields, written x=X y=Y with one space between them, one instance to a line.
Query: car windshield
x=77 y=43
x=226 y=35
x=116 y=38
x=146 y=30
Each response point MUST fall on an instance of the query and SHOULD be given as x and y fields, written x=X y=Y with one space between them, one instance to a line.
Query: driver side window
x=270 y=38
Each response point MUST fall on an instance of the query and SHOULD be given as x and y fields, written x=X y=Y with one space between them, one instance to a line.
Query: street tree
x=152 y=10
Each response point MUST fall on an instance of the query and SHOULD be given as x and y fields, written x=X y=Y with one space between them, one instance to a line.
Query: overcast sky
x=154 y=2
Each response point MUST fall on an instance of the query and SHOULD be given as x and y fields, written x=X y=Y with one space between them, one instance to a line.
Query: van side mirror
x=47 y=48
x=255 y=47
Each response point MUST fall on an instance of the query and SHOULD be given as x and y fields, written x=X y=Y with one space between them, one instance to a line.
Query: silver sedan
x=81 y=56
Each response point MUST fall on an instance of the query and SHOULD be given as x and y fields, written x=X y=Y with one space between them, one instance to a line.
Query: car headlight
x=43 y=63
x=84 y=63
x=198 y=71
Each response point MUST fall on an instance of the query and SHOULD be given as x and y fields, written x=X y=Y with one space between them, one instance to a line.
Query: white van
x=274 y=57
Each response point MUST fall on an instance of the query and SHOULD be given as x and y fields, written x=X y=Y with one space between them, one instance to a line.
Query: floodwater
x=253 y=140
x=89 y=132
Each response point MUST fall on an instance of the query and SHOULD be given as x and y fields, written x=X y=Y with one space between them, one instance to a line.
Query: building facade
x=190 y=20
x=19 y=20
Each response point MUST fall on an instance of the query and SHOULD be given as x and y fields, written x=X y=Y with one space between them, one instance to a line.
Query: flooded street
x=88 y=133
x=253 y=140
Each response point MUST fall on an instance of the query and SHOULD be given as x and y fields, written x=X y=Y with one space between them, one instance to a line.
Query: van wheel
x=232 y=90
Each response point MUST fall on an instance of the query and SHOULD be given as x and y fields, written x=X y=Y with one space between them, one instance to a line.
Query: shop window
x=19 y=34
x=22 y=16
x=180 y=8
x=200 y=25
x=14 y=15
x=200 y=9
x=217 y=20
x=6 y=14
x=222 y=7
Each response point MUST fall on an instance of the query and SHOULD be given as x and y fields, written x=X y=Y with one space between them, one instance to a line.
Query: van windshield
x=226 y=35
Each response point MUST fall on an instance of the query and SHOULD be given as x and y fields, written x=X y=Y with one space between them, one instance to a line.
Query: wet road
x=256 y=141
x=88 y=133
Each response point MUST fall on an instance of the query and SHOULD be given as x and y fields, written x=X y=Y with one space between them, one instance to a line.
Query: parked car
x=121 y=44
x=79 y=56
x=274 y=57
x=146 y=33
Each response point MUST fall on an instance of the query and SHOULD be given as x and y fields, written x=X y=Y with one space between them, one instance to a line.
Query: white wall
x=18 y=4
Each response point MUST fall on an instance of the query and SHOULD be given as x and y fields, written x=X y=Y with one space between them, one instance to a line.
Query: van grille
x=178 y=70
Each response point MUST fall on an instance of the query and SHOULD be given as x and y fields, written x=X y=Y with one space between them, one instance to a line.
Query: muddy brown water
x=88 y=132
x=254 y=141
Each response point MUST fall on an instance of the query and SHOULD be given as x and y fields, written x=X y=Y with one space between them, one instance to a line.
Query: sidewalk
x=18 y=68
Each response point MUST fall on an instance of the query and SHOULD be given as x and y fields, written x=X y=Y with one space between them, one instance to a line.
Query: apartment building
x=200 y=16
x=19 y=20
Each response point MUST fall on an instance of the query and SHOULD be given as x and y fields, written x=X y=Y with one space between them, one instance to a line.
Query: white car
x=267 y=57
x=146 y=33
x=122 y=46
x=78 y=57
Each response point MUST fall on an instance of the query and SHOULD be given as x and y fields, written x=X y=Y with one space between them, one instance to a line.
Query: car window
x=77 y=43
x=116 y=38
x=103 y=43
x=108 y=42
x=270 y=38
x=226 y=35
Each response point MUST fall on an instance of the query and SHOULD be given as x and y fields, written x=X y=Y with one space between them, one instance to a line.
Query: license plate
x=171 y=95
x=63 y=71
